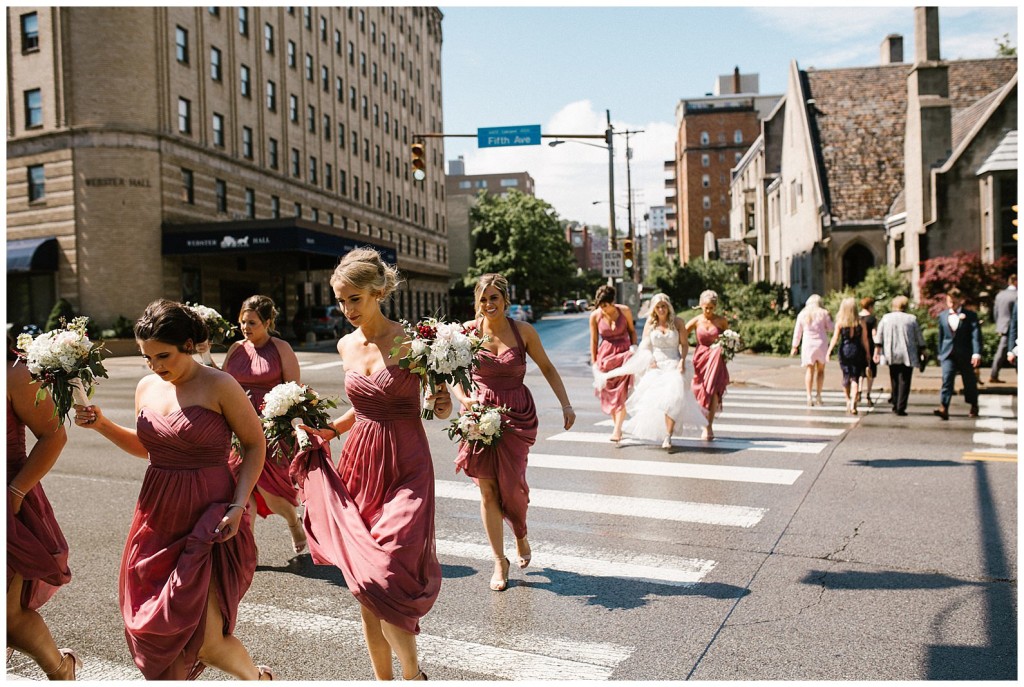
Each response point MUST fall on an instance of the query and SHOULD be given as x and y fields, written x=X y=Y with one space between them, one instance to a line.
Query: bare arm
x=241 y=417
x=91 y=417
x=593 y=335
x=684 y=342
x=832 y=343
x=629 y=324
x=864 y=339
x=536 y=351
x=48 y=430
x=289 y=362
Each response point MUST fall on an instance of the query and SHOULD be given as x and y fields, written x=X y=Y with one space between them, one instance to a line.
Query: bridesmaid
x=710 y=376
x=613 y=324
x=259 y=363
x=37 y=553
x=373 y=516
x=190 y=554
x=810 y=337
x=500 y=470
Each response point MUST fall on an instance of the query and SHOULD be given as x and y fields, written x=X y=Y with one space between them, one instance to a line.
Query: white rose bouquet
x=220 y=328
x=65 y=362
x=440 y=353
x=481 y=424
x=730 y=343
x=284 y=408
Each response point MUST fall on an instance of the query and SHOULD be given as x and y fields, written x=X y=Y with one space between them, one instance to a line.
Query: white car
x=517 y=312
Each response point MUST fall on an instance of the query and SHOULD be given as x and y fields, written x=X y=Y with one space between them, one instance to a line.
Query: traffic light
x=419 y=161
x=627 y=252
x=1014 y=220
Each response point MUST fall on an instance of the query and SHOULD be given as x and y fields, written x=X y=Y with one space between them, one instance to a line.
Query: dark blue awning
x=32 y=255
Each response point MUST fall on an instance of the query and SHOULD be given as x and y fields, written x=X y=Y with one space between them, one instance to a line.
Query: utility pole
x=611 y=181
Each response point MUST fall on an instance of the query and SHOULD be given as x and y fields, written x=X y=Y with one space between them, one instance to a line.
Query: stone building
x=206 y=154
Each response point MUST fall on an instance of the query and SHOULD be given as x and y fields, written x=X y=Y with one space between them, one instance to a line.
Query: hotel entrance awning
x=32 y=255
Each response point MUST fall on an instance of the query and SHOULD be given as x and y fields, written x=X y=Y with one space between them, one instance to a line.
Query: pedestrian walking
x=1011 y=355
x=867 y=317
x=260 y=362
x=37 y=552
x=190 y=554
x=499 y=470
x=710 y=375
x=959 y=352
x=810 y=337
x=373 y=516
x=851 y=335
x=611 y=324
x=899 y=343
x=1002 y=311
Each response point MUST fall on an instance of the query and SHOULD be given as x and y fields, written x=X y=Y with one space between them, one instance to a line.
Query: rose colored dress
x=172 y=556
x=611 y=353
x=814 y=335
x=36 y=548
x=258 y=370
x=373 y=516
x=710 y=376
x=500 y=382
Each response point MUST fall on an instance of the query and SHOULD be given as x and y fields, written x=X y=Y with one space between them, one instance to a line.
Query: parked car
x=517 y=312
x=569 y=306
x=529 y=313
x=324 y=321
x=582 y=304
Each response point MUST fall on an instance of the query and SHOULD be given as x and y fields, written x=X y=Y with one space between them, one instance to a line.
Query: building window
x=309 y=67
x=275 y=207
x=184 y=116
x=355 y=187
x=376 y=155
x=510 y=182
x=481 y=183
x=705 y=138
x=307 y=15
x=33 y=108
x=366 y=149
x=362 y=63
x=706 y=202
x=376 y=116
x=328 y=176
x=188 y=188
x=341 y=135
x=342 y=182
x=325 y=79
x=327 y=127
x=311 y=118
x=218 y=130
x=247 y=142
x=250 y=203
x=707 y=223
x=312 y=169
x=323 y=29
x=291 y=54
x=272 y=153
x=366 y=107
x=705 y=160
x=368 y=201
x=298 y=210
x=214 y=11
x=243 y=21
x=738 y=156
x=293 y=108
x=221 y=190
x=245 y=83
x=341 y=89
x=337 y=42
x=181 y=44
x=355 y=143
x=268 y=38
x=36 y=183
x=352 y=96
x=215 y=72
x=705 y=180
x=296 y=171
x=737 y=136
x=29 y=32
x=351 y=53
x=272 y=96
x=465 y=184
x=330 y=219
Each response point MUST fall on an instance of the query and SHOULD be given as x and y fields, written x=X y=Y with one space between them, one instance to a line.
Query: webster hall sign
x=130 y=182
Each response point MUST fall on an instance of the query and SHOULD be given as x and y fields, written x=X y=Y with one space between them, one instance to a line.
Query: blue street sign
x=492 y=137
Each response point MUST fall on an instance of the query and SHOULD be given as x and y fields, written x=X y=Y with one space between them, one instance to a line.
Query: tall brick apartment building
x=713 y=133
x=207 y=154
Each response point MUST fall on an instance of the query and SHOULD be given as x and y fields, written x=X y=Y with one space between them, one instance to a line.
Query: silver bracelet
x=236 y=505
x=14 y=490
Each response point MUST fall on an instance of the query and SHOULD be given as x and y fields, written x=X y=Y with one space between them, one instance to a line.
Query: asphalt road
x=803 y=544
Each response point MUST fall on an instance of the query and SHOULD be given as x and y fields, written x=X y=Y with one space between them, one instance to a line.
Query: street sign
x=492 y=137
x=611 y=263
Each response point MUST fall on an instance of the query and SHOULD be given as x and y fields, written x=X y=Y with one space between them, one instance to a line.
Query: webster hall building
x=207 y=154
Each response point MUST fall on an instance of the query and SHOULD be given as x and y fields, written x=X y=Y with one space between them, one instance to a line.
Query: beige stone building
x=206 y=154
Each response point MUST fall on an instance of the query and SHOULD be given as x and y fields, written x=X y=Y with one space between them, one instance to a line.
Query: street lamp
x=611 y=173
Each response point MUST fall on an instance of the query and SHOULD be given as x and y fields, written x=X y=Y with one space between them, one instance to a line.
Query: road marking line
x=991 y=456
x=727 y=473
x=668 y=570
x=459 y=654
x=22 y=667
x=776 y=393
x=323 y=366
x=655 y=509
x=737 y=444
x=994 y=439
x=996 y=423
x=775 y=405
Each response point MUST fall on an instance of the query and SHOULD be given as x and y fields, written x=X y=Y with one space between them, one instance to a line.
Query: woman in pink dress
x=500 y=470
x=37 y=553
x=811 y=337
x=259 y=363
x=190 y=554
x=613 y=325
x=710 y=375
x=373 y=516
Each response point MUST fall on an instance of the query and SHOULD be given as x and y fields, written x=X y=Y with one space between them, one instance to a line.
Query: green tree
x=520 y=236
x=62 y=311
x=1004 y=48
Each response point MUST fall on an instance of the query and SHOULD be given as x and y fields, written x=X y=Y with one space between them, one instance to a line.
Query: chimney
x=926 y=34
x=736 y=80
x=892 y=49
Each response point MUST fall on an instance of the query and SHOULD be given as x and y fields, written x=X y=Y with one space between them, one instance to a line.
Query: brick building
x=206 y=154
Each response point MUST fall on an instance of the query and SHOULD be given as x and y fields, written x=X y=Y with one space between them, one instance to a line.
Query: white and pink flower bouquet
x=284 y=408
x=730 y=343
x=220 y=328
x=440 y=353
x=64 y=362
x=481 y=424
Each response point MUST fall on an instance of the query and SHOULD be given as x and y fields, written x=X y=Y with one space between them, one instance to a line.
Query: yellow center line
x=990 y=456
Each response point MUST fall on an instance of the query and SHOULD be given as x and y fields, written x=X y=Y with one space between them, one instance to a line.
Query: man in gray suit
x=899 y=340
x=1002 y=312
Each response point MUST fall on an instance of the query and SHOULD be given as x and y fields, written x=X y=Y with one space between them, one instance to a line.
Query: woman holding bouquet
x=373 y=516
x=190 y=554
x=260 y=362
x=710 y=375
x=37 y=553
x=499 y=470
x=612 y=324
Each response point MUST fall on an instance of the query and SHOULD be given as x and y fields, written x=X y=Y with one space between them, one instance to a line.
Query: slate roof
x=1004 y=157
x=860 y=115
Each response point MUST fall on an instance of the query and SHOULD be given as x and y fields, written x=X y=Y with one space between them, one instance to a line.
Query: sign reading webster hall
x=131 y=182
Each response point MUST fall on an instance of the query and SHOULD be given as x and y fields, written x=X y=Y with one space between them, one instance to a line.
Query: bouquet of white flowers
x=440 y=353
x=481 y=424
x=284 y=408
x=65 y=362
x=219 y=327
x=730 y=343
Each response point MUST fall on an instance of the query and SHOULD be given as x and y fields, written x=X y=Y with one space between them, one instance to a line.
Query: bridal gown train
x=662 y=390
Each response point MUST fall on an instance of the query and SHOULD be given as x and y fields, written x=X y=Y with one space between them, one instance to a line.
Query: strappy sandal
x=299 y=545
x=265 y=670
x=523 y=561
x=76 y=663
x=501 y=584
x=420 y=676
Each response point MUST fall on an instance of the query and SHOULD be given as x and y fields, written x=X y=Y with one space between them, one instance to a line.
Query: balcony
x=670 y=165
x=670 y=183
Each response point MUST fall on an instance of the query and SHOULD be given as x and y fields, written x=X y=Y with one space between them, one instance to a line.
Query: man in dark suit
x=959 y=352
x=1001 y=313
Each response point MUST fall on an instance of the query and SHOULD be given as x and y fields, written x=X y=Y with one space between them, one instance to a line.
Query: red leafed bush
x=979 y=281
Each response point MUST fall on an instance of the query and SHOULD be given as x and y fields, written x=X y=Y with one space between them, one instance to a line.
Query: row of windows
x=705 y=159
x=482 y=183
x=705 y=137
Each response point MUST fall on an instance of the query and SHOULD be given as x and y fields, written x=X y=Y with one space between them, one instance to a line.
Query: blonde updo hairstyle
x=659 y=298
x=364 y=269
x=708 y=296
x=264 y=308
x=496 y=280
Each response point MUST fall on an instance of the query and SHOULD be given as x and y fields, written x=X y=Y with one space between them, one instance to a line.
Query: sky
x=564 y=67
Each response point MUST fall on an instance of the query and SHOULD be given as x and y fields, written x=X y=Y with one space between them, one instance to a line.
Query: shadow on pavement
x=907 y=463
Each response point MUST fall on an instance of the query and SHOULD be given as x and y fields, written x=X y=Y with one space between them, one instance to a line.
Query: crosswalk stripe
x=667 y=570
x=460 y=654
x=779 y=393
x=997 y=423
x=994 y=439
x=776 y=405
x=22 y=667
x=845 y=420
x=321 y=366
x=726 y=473
x=737 y=444
x=632 y=506
x=768 y=429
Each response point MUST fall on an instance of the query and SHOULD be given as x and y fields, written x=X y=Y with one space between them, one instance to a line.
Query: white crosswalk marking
x=727 y=473
x=997 y=423
x=321 y=366
x=720 y=443
x=994 y=439
x=22 y=667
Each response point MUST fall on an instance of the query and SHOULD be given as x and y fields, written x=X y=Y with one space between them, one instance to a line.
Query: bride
x=662 y=400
